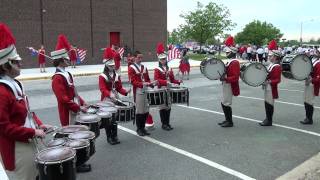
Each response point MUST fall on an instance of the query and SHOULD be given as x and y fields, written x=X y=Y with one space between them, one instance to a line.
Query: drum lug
x=88 y=150
x=61 y=168
x=45 y=168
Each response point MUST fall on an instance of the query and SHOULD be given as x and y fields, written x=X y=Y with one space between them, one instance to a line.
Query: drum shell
x=157 y=98
x=126 y=113
x=91 y=140
x=93 y=126
x=82 y=153
x=53 y=171
x=66 y=130
x=179 y=95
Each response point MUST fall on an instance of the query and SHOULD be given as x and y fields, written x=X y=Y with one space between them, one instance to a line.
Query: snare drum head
x=88 y=118
x=254 y=74
x=213 y=69
x=56 y=154
x=104 y=114
x=82 y=135
x=109 y=109
x=72 y=128
x=301 y=67
x=56 y=142
x=76 y=144
x=105 y=104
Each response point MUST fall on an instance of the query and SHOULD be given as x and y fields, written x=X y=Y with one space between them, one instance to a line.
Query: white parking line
x=253 y=120
x=291 y=90
x=277 y=101
x=190 y=155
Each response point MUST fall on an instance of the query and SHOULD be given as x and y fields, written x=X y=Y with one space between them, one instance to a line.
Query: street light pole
x=301 y=33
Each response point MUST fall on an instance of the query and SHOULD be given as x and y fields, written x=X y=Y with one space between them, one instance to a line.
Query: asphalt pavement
x=198 y=148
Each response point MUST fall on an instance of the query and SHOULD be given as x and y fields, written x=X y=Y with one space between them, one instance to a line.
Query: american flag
x=121 y=51
x=174 y=53
x=81 y=54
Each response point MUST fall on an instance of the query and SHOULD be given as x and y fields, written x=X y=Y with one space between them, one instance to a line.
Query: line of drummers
x=268 y=75
x=26 y=155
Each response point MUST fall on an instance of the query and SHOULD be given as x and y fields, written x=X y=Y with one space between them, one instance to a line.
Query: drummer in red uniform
x=18 y=126
x=110 y=85
x=164 y=75
x=42 y=59
x=230 y=82
x=312 y=85
x=271 y=85
x=140 y=80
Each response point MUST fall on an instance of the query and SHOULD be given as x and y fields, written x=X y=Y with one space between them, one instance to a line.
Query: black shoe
x=145 y=132
x=170 y=127
x=165 y=127
x=140 y=132
x=306 y=121
x=266 y=122
x=221 y=123
x=227 y=124
x=84 y=168
x=115 y=140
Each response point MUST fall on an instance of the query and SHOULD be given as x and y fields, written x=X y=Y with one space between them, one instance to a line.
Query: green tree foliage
x=175 y=37
x=205 y=23
x=258 y=33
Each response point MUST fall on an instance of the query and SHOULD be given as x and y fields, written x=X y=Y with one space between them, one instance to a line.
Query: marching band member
x=165 y=78
x=117 y=59
x=73 y=56
x=42 y=59
x=109 y=85
x=312 y=85
x=17 y=123
x=69 y=102
x=140 y=81
x=184 y=66
x=230 y=82
x=271 y=85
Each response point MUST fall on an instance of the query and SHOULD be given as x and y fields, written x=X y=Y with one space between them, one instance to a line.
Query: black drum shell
x=82 y=153
x=53 y=171
x=90 y=137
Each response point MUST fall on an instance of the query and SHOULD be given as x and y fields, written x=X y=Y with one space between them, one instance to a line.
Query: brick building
x=88 y=24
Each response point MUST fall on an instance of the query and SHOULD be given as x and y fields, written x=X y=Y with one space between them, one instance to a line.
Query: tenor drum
x=82 y=148
x=105 y=116
x=126 y=112
x=112 y=110
x=296 y=67
x=66 y=130
x=86 y=135
x=213 y=68
x=56 y=163
x=157 y=97
x=56 y=142
x=253 y=73
x=179 y=95
x=93 y=121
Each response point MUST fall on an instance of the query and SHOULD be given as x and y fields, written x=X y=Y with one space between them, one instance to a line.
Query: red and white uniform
x=117 y=61
x=312 y=85
x=69 y=101
x=184 y=64
x=41 y=57
x=73 y=55
x=109 y=83
x=16 y=130
x=271 y=89
x=163 y=76
x=138 y=75
x=230 y=87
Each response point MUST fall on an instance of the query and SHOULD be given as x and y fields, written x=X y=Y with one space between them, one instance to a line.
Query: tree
x=205 y=23
x=258 y=33
x=175 y=37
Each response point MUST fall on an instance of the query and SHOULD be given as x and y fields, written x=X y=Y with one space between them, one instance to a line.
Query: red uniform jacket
x=73 y=55
x=275 y=78
x=13 y=113
x=162 y=75
x=233 y=75
x=316 y=77
x=117 y=60
x=41 y=57
x=65 y=94
x=138 y=76
x=105 y=85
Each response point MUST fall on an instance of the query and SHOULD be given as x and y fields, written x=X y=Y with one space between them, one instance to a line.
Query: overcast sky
x=286 y=15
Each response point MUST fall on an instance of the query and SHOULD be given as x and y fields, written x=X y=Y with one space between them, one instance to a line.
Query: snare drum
x=93 y=121
x=296 y=67
x=86 y=135
x=112 y=110
x=213 y=68
x=105 y=104
x=56 y=142
x=127 y=112
x=179 y=95
x=253 y=73
x=157 y=97
x=82 y=148
x=66 y=130
x=56 y=163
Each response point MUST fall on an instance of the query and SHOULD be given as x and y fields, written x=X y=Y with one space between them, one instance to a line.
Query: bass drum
x=213 y=68
x=296 y=67
x=253 y=74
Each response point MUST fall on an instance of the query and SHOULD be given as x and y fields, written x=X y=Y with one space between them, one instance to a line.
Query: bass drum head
x=301 y=67
x=254 y=74
x=214 y=68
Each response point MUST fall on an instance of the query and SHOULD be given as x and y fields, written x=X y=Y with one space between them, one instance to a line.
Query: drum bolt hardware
x=88 y=151
x=61 y=167
x=45 y=168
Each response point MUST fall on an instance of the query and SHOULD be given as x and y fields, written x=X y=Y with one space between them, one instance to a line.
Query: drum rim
x=74 y=125
x=104 y=116
x=179 y=89
x=74 y=153
x=204 y=67
x=79 y=147
x=293 y=57
x=90 y=132
x=150 y=90
x=56 y=139
x=88 y=122
x=251 y=64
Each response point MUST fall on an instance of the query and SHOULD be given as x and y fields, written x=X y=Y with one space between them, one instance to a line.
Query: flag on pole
x=121 y=51
x=33 y=51
x=81 y=55
x=174 y=53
